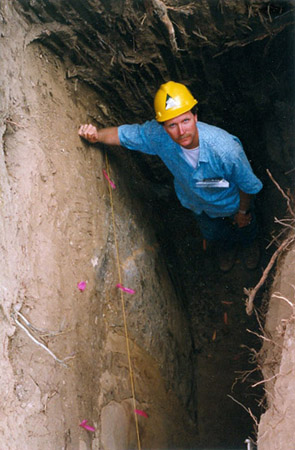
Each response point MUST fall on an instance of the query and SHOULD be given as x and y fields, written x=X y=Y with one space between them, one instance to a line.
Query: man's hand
x=107 y=135
x=88 y=132
x=242 y=220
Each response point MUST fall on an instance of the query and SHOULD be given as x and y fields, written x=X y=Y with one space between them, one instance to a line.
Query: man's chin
x=187 y=145
x=186 y=142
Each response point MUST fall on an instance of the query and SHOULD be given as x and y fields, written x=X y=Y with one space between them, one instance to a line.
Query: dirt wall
x=277 y=426
x=56 y=231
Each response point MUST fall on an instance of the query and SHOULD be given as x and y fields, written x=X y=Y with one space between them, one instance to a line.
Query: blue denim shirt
x=221 y=156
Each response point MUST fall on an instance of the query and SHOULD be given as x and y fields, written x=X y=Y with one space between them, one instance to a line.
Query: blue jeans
x=223 y=229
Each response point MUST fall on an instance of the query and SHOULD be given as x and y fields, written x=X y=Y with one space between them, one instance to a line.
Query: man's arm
x=108 y=135
x=242 y=217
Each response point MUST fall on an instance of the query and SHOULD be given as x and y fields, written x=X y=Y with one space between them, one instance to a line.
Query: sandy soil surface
x=276 y=430
x=57 y=231
x=51 y=231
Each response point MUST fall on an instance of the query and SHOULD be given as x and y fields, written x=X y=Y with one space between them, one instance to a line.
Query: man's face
x=182 y=129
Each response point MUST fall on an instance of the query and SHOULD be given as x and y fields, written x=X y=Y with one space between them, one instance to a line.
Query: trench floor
x=226 y=367
x=223 y=336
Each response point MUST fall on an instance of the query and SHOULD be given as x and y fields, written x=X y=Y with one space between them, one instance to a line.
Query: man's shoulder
x=152 y=125
x=148 y=137
x=212 y=130
x=216 y=136
x=148 y=127
x=155 y=132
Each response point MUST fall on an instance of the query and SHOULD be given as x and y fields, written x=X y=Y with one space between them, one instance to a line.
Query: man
x=212 y=175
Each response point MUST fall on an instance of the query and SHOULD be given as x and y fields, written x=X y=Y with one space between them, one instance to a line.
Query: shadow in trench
x=225 y=368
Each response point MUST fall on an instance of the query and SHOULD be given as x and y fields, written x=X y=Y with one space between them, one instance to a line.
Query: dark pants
x=223 y=229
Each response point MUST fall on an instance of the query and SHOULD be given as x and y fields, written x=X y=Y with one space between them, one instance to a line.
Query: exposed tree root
x=288 y=223
x=251 y=293
x=159 y=8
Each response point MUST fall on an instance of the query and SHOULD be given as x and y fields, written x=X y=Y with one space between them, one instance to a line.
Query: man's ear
x=196 y=117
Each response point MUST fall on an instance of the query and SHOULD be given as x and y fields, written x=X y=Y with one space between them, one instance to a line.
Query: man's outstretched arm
x=104 y=135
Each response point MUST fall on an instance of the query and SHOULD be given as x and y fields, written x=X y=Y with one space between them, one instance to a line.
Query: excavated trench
x=108 y=58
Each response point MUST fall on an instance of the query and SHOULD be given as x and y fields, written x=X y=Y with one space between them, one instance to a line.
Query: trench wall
x=276 y=428
x=57 y=230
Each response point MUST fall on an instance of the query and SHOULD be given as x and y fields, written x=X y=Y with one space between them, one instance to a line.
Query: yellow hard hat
x=171 y=100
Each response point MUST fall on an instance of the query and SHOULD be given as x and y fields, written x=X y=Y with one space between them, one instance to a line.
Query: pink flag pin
x=109 y=180
x=141 y=413
x=81 y=285
x=125 y=289
x=84 y=425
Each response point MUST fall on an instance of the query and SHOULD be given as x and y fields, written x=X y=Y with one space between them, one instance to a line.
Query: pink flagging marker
x=125 y=289
x=82 y=286
x=109 y=180
x=84 y=425
x=141 y=413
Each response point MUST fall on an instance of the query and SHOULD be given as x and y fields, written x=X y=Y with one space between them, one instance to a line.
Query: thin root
x=246 y=409
x=251 y=293
x=60 y=361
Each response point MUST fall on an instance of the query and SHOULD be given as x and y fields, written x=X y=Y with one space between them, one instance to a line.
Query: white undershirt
x=191 y=155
